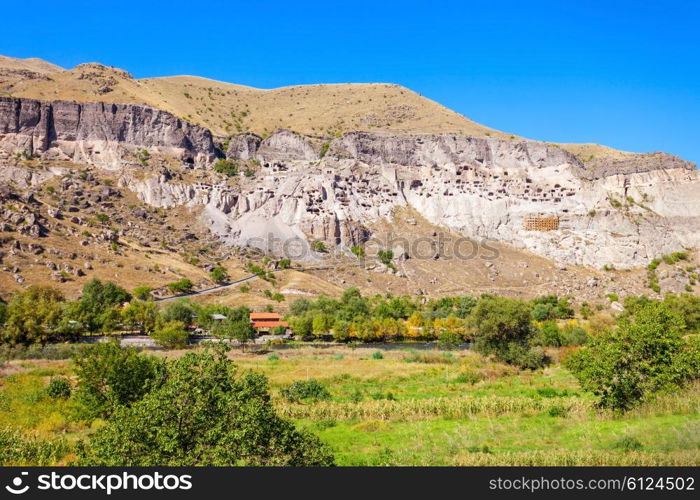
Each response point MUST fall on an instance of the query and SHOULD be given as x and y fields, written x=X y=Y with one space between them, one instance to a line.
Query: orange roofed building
x=265 y=320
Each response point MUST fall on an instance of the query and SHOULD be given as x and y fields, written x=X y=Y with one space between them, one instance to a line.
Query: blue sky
x=620 y=73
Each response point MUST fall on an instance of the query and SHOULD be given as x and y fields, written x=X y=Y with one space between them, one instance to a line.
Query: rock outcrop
x=529 y=194
x=98 y=133
x=481 y=188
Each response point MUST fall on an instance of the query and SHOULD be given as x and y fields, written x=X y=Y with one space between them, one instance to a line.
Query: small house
x=265 y=321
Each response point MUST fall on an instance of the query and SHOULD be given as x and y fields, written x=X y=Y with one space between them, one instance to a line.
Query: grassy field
x=417 y=408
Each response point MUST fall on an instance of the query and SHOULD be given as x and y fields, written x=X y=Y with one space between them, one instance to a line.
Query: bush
x=573 y=335
x=142 y=292
x=645 y=355
x=377 y=355
x=468 y=378
x=59 y=388
x=549 y=335
x=182 y=286
x=385 y=256
x=449 y=340
x=549 y=307
x=38 y=351
x=305 y=390
x=219 y=275
x=522 y=356
x=358 y=251
x=629 y=443
x=318 y=246
x=171 y=335
x=203 y=415
x=226 y=167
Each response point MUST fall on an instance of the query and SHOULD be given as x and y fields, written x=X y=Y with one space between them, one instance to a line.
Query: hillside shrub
x=59 y=388
x=305 y=391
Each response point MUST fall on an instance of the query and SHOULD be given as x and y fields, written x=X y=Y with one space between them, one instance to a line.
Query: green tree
x=110 y=376
x=204 y=414
x=179 y=310
x=302 y=326
x=322 y=324
x=171 y=334
x=644 y=355
x=300 y=306
x=141 y=315
x=33 y=316
x=504 y=328
x=549 y=334
x=97 y=304
x=687 y=307
x=219 y=275
x=3 y=314
x=235 y=329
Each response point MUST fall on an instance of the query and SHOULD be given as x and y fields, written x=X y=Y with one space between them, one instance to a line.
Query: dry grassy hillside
x=31 y=64
x=227 y=109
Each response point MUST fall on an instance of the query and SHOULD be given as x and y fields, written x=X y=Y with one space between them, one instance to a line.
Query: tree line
x=41 y=314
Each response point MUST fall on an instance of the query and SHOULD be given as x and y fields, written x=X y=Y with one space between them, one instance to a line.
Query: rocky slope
x=621 y=211
x=620 y=214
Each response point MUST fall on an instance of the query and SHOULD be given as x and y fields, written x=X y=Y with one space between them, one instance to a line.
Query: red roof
x=265 y=316
x=269 y=324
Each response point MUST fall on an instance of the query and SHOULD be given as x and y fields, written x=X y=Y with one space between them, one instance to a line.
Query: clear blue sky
x=621 y=73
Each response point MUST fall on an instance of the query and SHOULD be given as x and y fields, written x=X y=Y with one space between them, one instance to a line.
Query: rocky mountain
x=572 y=205
x=622 y=213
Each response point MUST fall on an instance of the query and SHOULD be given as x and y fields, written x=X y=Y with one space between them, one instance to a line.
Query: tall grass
x=17 y=449
x=551 y=458
x=38 y=351
x=419 y=409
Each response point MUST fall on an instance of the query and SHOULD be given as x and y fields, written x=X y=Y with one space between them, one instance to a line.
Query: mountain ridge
x=228 y=108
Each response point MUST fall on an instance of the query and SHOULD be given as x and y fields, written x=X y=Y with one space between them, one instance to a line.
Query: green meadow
x=404 y=407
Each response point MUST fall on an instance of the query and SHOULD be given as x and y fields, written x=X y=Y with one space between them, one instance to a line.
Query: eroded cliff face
x=525 y=193
x=98 y=133
x=481 y=188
